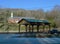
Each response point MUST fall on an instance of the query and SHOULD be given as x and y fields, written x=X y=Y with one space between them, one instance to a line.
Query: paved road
x=10 y=39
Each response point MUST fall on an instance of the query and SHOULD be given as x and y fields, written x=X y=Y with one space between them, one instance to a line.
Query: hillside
x=52 y=15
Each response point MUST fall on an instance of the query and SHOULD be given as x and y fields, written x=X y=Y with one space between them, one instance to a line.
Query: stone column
x=19 y=28
x=43 y=28
x=26 y=27
x=49 y=27
x=32 y=28
x=29 y=28
x=37 y=28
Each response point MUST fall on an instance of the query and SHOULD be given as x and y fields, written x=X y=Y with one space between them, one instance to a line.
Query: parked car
x=53 y=31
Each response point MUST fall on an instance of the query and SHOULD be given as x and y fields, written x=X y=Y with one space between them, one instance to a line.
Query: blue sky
x=29 y=4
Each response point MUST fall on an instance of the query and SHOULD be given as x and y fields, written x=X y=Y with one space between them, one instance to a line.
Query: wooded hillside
x=52 y=15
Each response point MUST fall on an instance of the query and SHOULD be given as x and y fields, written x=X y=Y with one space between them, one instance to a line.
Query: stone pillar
x=29 y=28
x=43 y=28
x=26 y=27
x=19 y=28
x=49 y=27
x=37 y=28
x=32 y=28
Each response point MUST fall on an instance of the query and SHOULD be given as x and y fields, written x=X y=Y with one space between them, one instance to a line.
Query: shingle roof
x=36 y=20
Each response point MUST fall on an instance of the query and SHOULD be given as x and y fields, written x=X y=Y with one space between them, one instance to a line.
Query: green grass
x=14 y=27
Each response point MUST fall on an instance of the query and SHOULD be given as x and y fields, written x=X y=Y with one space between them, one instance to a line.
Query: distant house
x=17 y=19
x=14 y=20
